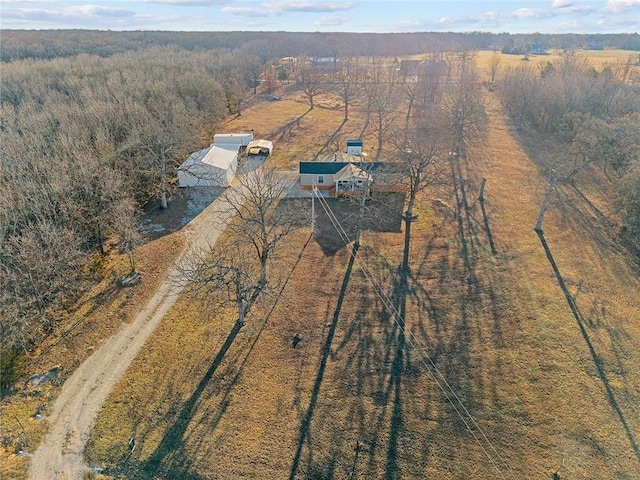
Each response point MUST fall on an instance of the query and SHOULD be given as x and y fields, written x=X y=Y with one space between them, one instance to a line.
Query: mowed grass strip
x=568 y=398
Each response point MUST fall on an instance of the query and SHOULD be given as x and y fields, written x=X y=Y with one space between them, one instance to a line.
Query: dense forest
x=93 y=125
x=86 y=142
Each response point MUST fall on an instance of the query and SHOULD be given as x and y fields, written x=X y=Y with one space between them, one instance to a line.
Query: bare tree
x=519 y=90
x=433 y=76
x=422 y=149
x=165 y=136
x=628 y=203
x=310 y=80
x=494 y=64
x=463 y=101
x=124 y=221
x=410 y=88
x=381 y=90
x=39 y=272
x=561 y=171
x=346 y=84
x=241 y=266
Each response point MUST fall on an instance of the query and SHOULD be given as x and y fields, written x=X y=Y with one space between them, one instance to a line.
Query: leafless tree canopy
x=86 y=142
x=240 y=268
x=593 y=113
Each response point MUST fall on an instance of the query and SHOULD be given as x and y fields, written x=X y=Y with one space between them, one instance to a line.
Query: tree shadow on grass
x=383 y=214
x=330 y=139
x=169 y=459
x=281 y=133
x=168 y=455
x=305 y=426
x=485 y=218
x=602 y=231
x=596 y=360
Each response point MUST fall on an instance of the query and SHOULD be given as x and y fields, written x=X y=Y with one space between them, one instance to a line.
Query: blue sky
x=516 y=16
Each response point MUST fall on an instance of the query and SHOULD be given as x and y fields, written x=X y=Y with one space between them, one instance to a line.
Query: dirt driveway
x=60 y=456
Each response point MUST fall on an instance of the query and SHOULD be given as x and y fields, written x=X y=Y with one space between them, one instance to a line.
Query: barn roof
x=220 y=156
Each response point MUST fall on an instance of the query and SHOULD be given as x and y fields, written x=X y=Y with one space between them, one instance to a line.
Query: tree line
x=595 y=117
x=50 y=44
x=86 y=142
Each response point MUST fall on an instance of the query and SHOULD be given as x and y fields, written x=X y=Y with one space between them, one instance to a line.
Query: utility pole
x=313 y=209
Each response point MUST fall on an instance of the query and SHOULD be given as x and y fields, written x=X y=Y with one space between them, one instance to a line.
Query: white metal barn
x=240 y=139
x=212 y=167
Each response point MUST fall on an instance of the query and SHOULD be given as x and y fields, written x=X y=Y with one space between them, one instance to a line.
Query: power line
x=412 y=341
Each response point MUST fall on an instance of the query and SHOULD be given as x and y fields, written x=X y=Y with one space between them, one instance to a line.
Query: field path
x=60 y=456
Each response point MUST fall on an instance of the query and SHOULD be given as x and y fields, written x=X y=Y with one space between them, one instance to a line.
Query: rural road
x=74 y=412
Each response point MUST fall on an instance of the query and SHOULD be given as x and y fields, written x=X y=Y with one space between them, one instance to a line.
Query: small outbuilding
x=260 y=147
x=216 y=165
x=354 y=147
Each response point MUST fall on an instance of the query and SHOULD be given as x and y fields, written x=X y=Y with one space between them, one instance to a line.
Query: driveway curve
x=74 y=412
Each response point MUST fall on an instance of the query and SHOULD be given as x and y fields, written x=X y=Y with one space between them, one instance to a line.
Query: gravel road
x=60 y=456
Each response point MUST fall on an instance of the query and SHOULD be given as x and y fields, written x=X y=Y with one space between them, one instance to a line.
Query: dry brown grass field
x=598 y=58
x=498 y=372
x=546 y=389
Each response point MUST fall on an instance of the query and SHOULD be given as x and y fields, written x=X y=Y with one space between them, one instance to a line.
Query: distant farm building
x=411 y=68
x=324 y=63
x=240 y=139
x=288 y=63
x=212 y=167
x=537 y=49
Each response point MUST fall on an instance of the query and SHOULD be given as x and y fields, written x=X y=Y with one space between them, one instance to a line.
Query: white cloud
x=495 y=20
x=619 y=6
x=308 y=6
x=97 y=11
x=77 y=13
x=329 y=20
x=484 y=20
x=27 y=2
x=627 y=22
x=273 y=9
x=188 y=3
x=564 y=7
x=250 y=12
x=532 y=13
